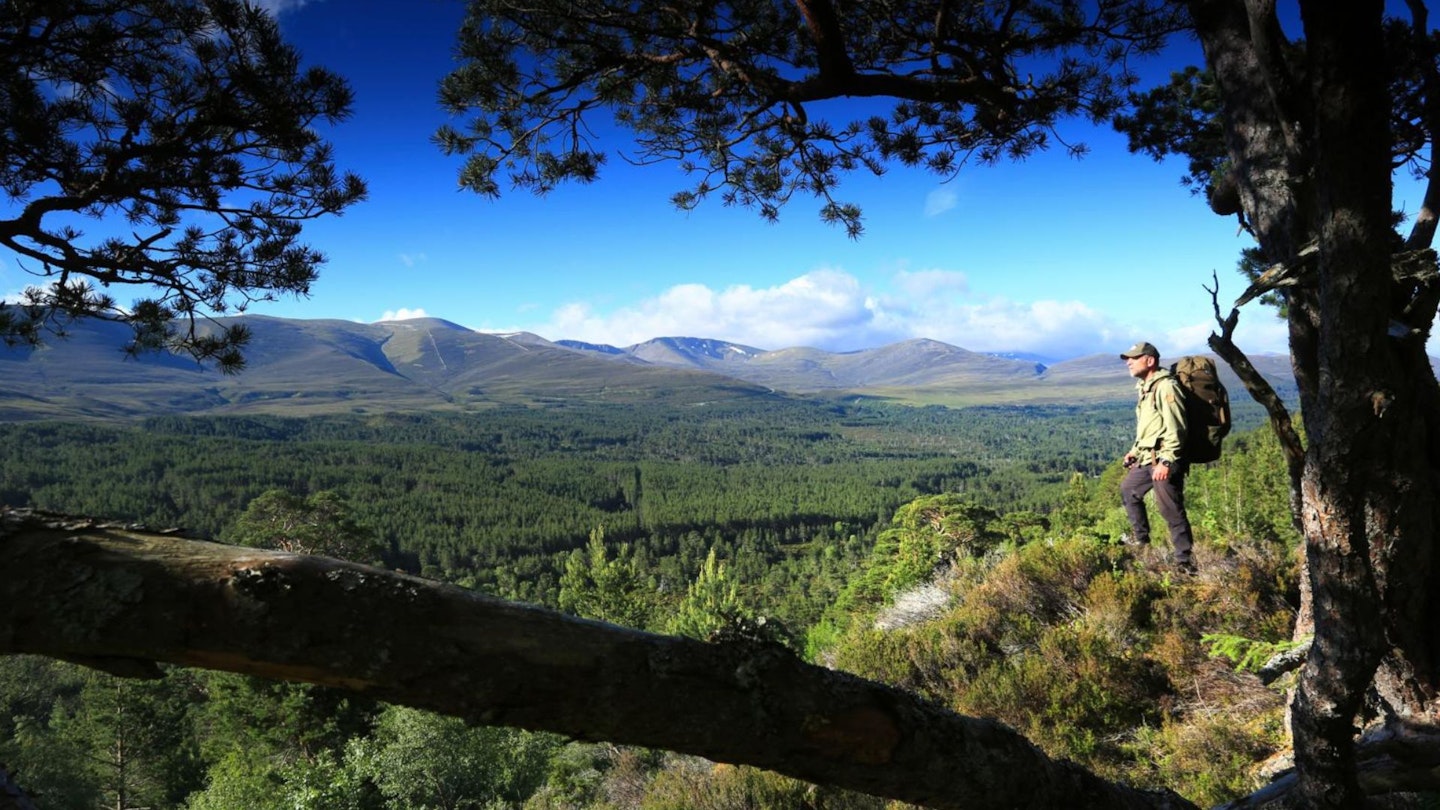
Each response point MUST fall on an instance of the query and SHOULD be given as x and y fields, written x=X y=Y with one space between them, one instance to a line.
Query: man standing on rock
x=1154 y=461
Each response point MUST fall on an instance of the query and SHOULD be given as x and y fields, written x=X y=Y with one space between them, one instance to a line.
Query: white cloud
x=1054 y=329
x=816 y=309
x=8 y=294
x=940 y=200
x=1184 y=339
x=830 y=309
x=1259 y=332
x=278 y=7
x=403 y=314
x=21 y=295
x=1262 y=331
x=924 y=283
x=412 y=259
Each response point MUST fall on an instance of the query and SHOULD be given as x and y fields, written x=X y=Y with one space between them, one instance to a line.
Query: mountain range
x=304 y=367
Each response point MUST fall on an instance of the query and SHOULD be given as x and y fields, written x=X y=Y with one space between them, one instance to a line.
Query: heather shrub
x=1210 y=756
x=1074 y=691
x=925 y=536
x=929 y=541
x=690 y=783
x=1096 y=654
x=1094 y=650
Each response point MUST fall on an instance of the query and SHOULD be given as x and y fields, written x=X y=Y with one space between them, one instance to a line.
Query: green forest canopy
x=877 y=497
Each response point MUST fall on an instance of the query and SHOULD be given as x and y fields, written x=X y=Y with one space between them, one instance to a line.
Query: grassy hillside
x=315 y=367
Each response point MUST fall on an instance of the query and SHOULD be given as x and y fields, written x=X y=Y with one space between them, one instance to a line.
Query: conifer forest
x=892 y=603
x=972 y=556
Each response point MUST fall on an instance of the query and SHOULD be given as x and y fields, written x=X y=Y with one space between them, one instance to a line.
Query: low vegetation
x=969 y=556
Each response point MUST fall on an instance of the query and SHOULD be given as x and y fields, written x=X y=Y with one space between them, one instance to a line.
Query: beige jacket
x=1159 y=418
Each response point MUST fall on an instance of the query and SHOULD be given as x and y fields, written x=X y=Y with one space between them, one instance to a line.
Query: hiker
x=1155 y=460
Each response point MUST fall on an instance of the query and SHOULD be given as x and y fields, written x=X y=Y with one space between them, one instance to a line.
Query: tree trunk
x=119 y=599
x=1310 y=149
x=1353 y=429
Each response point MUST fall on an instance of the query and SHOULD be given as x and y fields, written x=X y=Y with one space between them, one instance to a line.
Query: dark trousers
x=1169 y=497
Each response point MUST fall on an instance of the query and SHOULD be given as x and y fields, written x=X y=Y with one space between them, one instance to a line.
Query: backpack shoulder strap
x=1175 y=383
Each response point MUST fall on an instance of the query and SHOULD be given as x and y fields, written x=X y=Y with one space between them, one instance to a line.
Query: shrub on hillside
x=1095 y=653
x=690 y=783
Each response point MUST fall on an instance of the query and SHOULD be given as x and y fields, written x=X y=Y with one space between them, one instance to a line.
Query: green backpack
x=1207 y=408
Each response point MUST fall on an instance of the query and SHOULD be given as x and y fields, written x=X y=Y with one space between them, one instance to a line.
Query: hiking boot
x=1186 y=568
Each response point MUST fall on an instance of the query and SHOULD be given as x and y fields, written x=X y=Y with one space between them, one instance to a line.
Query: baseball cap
x=1138 y=349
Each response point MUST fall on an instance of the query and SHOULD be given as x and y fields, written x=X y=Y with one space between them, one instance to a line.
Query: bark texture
x=1353 y=428
x=1308 y=137
x=120 y=598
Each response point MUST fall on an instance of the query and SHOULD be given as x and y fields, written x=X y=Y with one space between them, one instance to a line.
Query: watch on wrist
x=1164 y=462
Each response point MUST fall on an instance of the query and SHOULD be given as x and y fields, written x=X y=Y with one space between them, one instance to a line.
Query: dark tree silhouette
x=736 y=92
x=1296 y=137
x=185 y=131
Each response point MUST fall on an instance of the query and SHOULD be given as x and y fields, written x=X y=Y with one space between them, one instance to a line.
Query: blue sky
x=1054 y=256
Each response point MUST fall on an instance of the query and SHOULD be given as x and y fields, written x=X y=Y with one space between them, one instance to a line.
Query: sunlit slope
x=302 y=367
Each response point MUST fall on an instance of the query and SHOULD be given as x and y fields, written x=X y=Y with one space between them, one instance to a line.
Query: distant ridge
x=1041 y=363
x=303 y=367
x=918 y=363
x=598 y=348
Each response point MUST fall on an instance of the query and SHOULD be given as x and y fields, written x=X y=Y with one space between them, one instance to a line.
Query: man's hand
x=1160 y=472
x=1129 y=460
